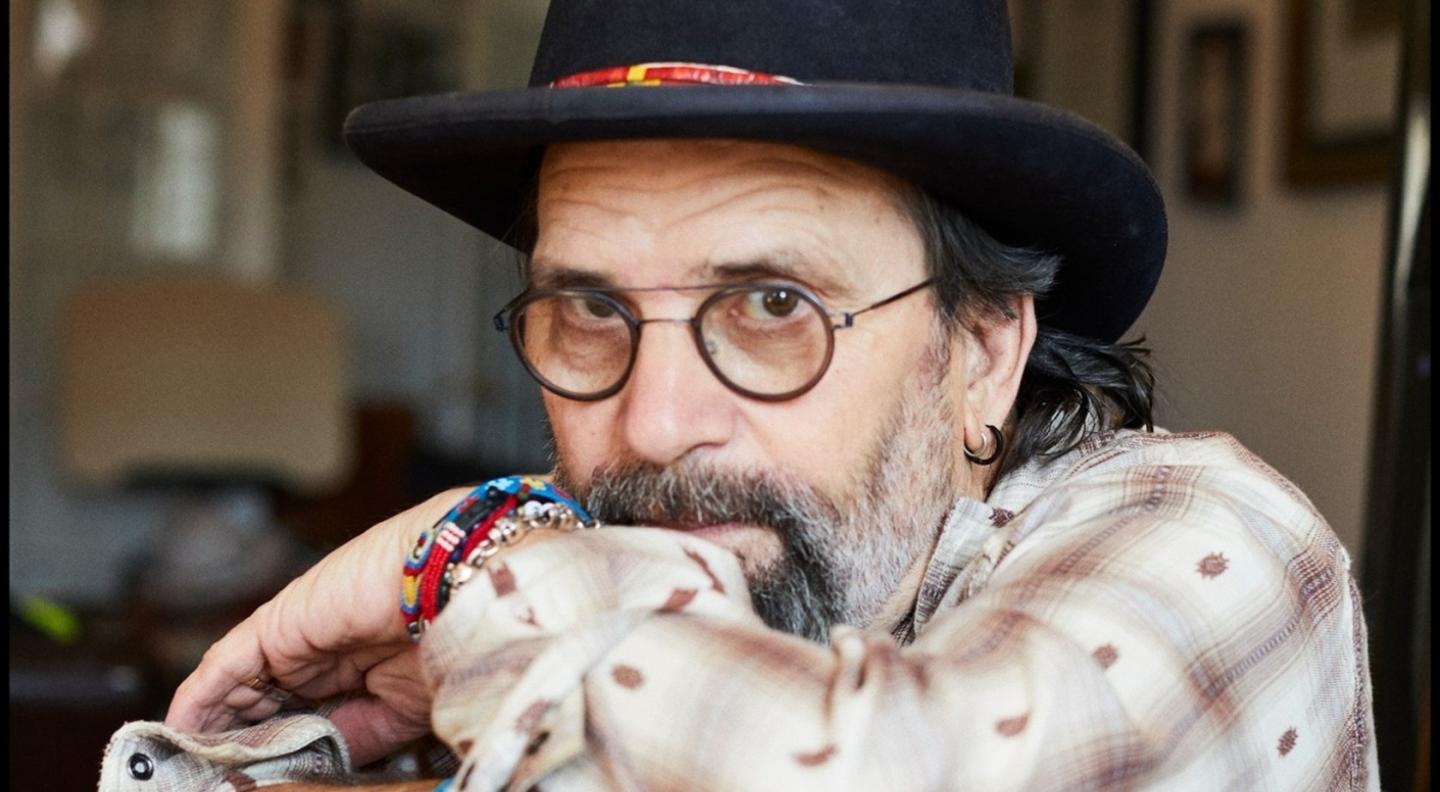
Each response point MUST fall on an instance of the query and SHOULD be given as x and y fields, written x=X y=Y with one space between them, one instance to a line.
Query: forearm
x=638 y=671
x=399 y=786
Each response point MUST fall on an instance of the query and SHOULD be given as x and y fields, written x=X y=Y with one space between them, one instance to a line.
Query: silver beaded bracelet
x=509 y=530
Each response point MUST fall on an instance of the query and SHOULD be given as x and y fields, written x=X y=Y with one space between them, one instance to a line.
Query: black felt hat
x=921 y=88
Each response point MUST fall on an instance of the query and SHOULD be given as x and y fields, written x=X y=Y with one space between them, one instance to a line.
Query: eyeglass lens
x=764 y=340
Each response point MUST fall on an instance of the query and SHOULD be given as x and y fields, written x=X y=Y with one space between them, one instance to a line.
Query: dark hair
x=1071 y=385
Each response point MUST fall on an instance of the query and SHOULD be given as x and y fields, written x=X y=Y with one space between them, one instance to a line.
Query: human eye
x=770 y=302
x=586 y=308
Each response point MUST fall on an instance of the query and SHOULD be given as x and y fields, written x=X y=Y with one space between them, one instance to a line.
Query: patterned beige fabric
x=1151 y=611
x=294 y=747
x=303 y=747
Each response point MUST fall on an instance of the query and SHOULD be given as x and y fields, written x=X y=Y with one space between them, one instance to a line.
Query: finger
x=215 y=693
x=245 y=707
x=373 y=730
x=251 y=701
x=319 y=636
x=195 y=708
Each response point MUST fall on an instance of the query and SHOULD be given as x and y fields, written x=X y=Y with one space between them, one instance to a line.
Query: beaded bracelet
x=497 y=513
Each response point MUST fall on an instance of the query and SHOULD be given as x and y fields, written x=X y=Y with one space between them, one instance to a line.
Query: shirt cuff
x=507 y=658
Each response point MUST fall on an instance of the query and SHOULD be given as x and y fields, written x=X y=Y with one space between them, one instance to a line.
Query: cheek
x=843 y=418
x=828 y=435
x=805 y=439
x=583 y=434
x=825 y=438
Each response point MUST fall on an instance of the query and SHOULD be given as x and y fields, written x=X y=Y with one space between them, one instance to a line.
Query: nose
x=672 y=403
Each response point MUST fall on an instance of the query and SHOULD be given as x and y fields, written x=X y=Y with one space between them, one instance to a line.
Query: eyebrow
x=788 y=267
x=546 y=275
x=785 y=265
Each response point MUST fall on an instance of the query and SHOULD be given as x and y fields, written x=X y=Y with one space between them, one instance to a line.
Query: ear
x=996 y=349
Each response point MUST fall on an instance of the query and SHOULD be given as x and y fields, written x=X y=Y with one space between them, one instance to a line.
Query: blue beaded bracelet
x=497 y=513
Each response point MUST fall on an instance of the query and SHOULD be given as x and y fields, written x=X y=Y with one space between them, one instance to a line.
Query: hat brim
x=1027 y=173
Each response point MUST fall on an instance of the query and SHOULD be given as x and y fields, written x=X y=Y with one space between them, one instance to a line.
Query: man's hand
x=399 y=786
x=336 y=629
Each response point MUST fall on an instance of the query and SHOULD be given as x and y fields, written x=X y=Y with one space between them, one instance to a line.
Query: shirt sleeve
x=1167 y=627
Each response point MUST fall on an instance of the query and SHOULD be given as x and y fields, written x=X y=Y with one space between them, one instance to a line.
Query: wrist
x=500 y=513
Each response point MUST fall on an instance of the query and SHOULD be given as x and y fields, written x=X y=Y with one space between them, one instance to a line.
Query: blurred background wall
x=252 y=174
x=1266 y=318
x=1264 y=325
x=201 y=139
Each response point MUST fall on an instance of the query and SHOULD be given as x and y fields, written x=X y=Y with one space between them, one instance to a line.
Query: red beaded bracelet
x=497 y=513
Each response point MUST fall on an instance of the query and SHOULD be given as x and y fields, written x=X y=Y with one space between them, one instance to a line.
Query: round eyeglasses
x=767 y=341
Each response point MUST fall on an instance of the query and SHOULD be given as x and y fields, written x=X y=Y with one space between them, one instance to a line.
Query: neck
x=901 y=603
x=900 y=606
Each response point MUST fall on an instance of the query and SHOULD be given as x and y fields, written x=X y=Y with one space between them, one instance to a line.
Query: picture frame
x=1342 y=93
x=1114 y=91
x=1214 y=98
x=376 y=57
x=310 y=42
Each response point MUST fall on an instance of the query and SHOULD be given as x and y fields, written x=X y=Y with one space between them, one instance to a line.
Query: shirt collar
x=972 y=522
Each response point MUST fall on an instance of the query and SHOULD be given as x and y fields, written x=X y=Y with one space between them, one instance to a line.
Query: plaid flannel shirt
x=1150 y=610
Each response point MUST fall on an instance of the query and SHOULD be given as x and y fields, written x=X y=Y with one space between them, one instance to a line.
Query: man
x=827 y=325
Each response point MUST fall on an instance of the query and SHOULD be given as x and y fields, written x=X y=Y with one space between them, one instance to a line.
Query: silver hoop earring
x=999 y=443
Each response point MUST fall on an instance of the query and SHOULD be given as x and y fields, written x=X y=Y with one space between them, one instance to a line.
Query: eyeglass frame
x=503 y=323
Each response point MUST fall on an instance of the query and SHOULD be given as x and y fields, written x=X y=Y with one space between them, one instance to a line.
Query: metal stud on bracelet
x=509 y=530
x=496 y=514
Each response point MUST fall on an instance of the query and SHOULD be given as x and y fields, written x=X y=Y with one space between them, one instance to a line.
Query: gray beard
x=840 y=561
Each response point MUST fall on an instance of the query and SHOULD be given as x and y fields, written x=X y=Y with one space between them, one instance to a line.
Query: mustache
x=799 y=595
x=642 y=493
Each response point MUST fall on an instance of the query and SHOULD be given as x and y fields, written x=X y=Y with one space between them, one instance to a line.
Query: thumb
x=373 y=730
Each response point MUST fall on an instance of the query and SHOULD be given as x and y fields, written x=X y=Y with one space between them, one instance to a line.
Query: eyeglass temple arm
x=849 y=318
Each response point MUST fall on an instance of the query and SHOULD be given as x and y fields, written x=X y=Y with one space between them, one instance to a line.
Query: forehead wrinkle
x=595 y=229
x=748 y=154
x=852 y=174
x=762 y=191
x=768 y=195
x=658 y=179
x=802 y=244
x=595 y=205
x=576 y=236
x=653 y=182
x=791 y=185
x=559 y=192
